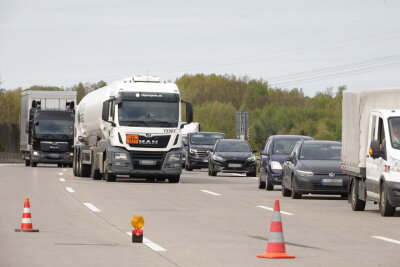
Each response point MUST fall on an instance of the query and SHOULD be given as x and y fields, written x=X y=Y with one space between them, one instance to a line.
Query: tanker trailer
x=132 y=128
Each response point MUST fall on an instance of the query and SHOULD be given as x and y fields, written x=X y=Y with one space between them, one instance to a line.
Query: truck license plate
x=234 y=165
x=147 y=162
x=337 y=182
x=54 y=156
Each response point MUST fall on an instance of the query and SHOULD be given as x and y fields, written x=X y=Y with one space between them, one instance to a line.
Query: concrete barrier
x=9 y=157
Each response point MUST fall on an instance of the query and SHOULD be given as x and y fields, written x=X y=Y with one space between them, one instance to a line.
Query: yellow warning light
x=137 y=222
x=370 y=151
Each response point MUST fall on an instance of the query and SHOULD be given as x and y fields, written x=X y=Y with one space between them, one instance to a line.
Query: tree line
x=217 y=98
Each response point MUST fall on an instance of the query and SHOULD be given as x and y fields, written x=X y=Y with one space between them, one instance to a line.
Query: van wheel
x=384 y=206
x=356 y=203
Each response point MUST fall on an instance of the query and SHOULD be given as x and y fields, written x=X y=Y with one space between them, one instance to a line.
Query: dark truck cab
x=50 y=136
x=198 y=145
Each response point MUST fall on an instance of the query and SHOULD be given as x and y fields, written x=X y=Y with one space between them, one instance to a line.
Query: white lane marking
x=387 y=239
x=16 y=164
x=62 y=180
x=64 y=170
x=60 y=173
x=70 y=189
x=271 y=209
x=238 y=174
x=255 y=178
x=211 y=193
x=150 y=243
x=91 y=207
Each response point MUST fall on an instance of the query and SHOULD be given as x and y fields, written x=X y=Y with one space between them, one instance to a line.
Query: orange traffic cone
x=276 y=244
x=26 y=224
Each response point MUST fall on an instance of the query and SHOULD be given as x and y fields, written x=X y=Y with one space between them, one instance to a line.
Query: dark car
x=198 y=145
x=276 y=149
x=314 y=167
x=232 y=155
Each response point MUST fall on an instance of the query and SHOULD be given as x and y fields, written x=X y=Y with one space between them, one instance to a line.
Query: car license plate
x=205 y=160
x=147 y=162
x=234 y=165
x=337 y=182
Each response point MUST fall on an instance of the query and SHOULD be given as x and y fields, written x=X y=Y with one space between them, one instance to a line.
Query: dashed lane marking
x=271 y=209
x=62 y=180
x=150 y=243
x=60 y=173
x=211 y=193
x=387 y=239
x=91 y=207
x=64 y=170
x=70 y=189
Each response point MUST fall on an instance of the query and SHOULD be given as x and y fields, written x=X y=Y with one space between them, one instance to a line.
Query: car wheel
x=294 y=193
x=95 y=173
x=285 y=192
x=384 y=206
x=174 y=179
x=269 y=186
x=27 y=162
x=356 y=203
x=33 y=164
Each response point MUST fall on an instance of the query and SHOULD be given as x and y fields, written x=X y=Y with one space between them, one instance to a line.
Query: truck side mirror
x=189 y=113
x=375 y=150
x=106 y=111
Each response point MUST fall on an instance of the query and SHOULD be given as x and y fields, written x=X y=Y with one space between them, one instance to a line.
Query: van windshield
x=394 y=127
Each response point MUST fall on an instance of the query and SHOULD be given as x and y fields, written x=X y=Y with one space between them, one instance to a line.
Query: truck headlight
x=120 y=156
x=275 y=165
x=217 y=158
x=252 y=158
x=396 y=165
x=174 y=157
x=304 y=173
x=192 y=151
x=35 y=153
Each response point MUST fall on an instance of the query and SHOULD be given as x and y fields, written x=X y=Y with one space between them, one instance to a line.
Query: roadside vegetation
x=216 y=98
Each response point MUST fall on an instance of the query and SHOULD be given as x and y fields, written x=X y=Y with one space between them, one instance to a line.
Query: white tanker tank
x=130 y=127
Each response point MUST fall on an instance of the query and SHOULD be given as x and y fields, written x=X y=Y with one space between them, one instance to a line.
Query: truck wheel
x=33 y=164
x=356 y=203
x=295 y=194
x=74 y=165
x=188 y=168
x=59 y=165
x=109 y=177
x=95 y=174
x=285 y=192
x=384 y=206
x=27 y=162
x=85 y=168
x=174 y=180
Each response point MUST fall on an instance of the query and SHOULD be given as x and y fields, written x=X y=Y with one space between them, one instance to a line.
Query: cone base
x=276 y=256
x=22 y=230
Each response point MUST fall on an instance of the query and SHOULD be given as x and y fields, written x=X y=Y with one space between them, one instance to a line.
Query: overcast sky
x=309 y=44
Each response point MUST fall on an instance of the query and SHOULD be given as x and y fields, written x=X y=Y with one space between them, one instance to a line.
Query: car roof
x=231 y=140
x=305 y=137
x=206 y=133
x=321 y=142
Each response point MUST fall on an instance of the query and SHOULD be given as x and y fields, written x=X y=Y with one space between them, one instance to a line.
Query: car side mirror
x=375 y=150
x=289 y=158
x=262 y=152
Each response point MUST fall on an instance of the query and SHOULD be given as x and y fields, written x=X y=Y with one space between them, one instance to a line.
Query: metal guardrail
x=9 y=157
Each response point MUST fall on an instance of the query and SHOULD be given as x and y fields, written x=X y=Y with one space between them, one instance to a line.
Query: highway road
x=202 y=221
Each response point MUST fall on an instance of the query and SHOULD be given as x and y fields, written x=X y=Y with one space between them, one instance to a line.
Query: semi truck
x=46 y=127
x=370 y=149
x=131 y=127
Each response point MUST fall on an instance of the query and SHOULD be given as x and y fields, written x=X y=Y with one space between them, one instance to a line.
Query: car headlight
x=174 y=157
x=217 y=158
x=275 y=165
x=252 y=158
x=192 y=151
x=35 y=153
x=304 y=173
x=120 y=156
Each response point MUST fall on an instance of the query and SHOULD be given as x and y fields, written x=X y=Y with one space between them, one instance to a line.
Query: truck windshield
x=394 y=126
x=148 y=113
x=205 y=139
x=58 y=127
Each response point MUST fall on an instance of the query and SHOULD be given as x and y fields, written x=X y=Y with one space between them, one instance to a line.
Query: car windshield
x=233 y=147
x=148 y=113
x=394 y=126
x=284 y=146
x=205 y=139
x=320 y=152
x=63 y=127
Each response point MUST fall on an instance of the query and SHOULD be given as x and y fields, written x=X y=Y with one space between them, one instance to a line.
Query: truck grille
x=47 y=146
x=138 y=157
